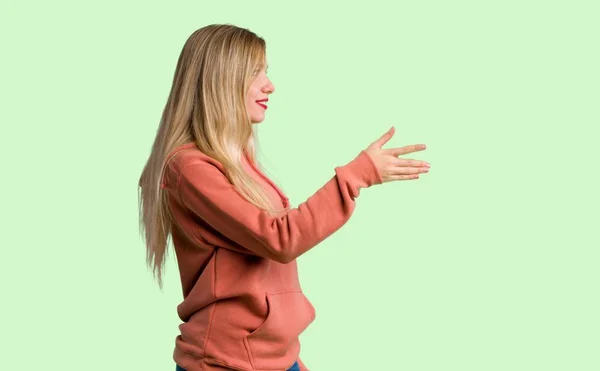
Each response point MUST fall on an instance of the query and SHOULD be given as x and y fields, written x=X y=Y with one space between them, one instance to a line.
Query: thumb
x=383 y=139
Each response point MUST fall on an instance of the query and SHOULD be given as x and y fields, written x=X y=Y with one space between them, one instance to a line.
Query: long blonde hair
x=206 y=106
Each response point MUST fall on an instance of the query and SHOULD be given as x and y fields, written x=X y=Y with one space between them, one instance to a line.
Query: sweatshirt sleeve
x=206 y=192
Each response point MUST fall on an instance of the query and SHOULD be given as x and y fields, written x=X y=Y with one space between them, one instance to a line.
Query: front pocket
x=275 y=342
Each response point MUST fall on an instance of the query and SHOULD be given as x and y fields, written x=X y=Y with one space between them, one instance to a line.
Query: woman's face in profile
x=257 y=96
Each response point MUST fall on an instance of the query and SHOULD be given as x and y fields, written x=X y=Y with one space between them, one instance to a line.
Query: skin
x=386 y=161
x=260 y=88
x=390 y=166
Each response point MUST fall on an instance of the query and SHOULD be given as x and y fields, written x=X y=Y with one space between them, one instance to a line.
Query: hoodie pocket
x=275 y=343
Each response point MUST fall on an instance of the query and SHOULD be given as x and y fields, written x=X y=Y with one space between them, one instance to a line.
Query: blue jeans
x=295 y=367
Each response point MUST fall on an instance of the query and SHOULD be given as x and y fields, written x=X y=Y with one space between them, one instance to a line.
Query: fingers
x=409 y=162
x=383 y=139
x=407 y=149
x=403 y=167
x=402 y=177
x=409 y=170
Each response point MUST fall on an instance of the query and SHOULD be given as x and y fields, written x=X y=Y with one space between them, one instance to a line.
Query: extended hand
x=390 y=166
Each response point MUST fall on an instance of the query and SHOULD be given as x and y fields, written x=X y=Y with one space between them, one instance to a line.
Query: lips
x=262 y=105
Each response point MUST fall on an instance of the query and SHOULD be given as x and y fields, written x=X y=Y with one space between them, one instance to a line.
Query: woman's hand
x=390 y=166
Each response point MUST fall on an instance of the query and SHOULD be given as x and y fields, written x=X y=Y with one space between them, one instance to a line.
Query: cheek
x=251 y=96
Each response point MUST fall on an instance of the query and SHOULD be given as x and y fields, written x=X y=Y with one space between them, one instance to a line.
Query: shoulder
x=188 y=158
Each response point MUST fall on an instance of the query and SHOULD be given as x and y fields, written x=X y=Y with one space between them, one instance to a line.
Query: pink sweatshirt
x=243 y=307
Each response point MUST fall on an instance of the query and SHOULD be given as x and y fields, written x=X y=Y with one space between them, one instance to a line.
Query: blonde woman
x=235 y=236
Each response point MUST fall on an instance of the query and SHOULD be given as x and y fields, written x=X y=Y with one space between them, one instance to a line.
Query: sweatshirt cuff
x=371 y=174
x=361 y=172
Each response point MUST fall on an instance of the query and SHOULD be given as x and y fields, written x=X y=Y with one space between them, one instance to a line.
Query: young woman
x=235 y=236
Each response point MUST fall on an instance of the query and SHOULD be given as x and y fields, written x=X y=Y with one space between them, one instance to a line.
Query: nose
x=268 y=88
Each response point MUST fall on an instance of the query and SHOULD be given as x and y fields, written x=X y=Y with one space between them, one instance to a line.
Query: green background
x=489 y=262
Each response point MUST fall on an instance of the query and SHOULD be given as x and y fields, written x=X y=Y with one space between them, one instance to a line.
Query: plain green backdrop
x=489 y=262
